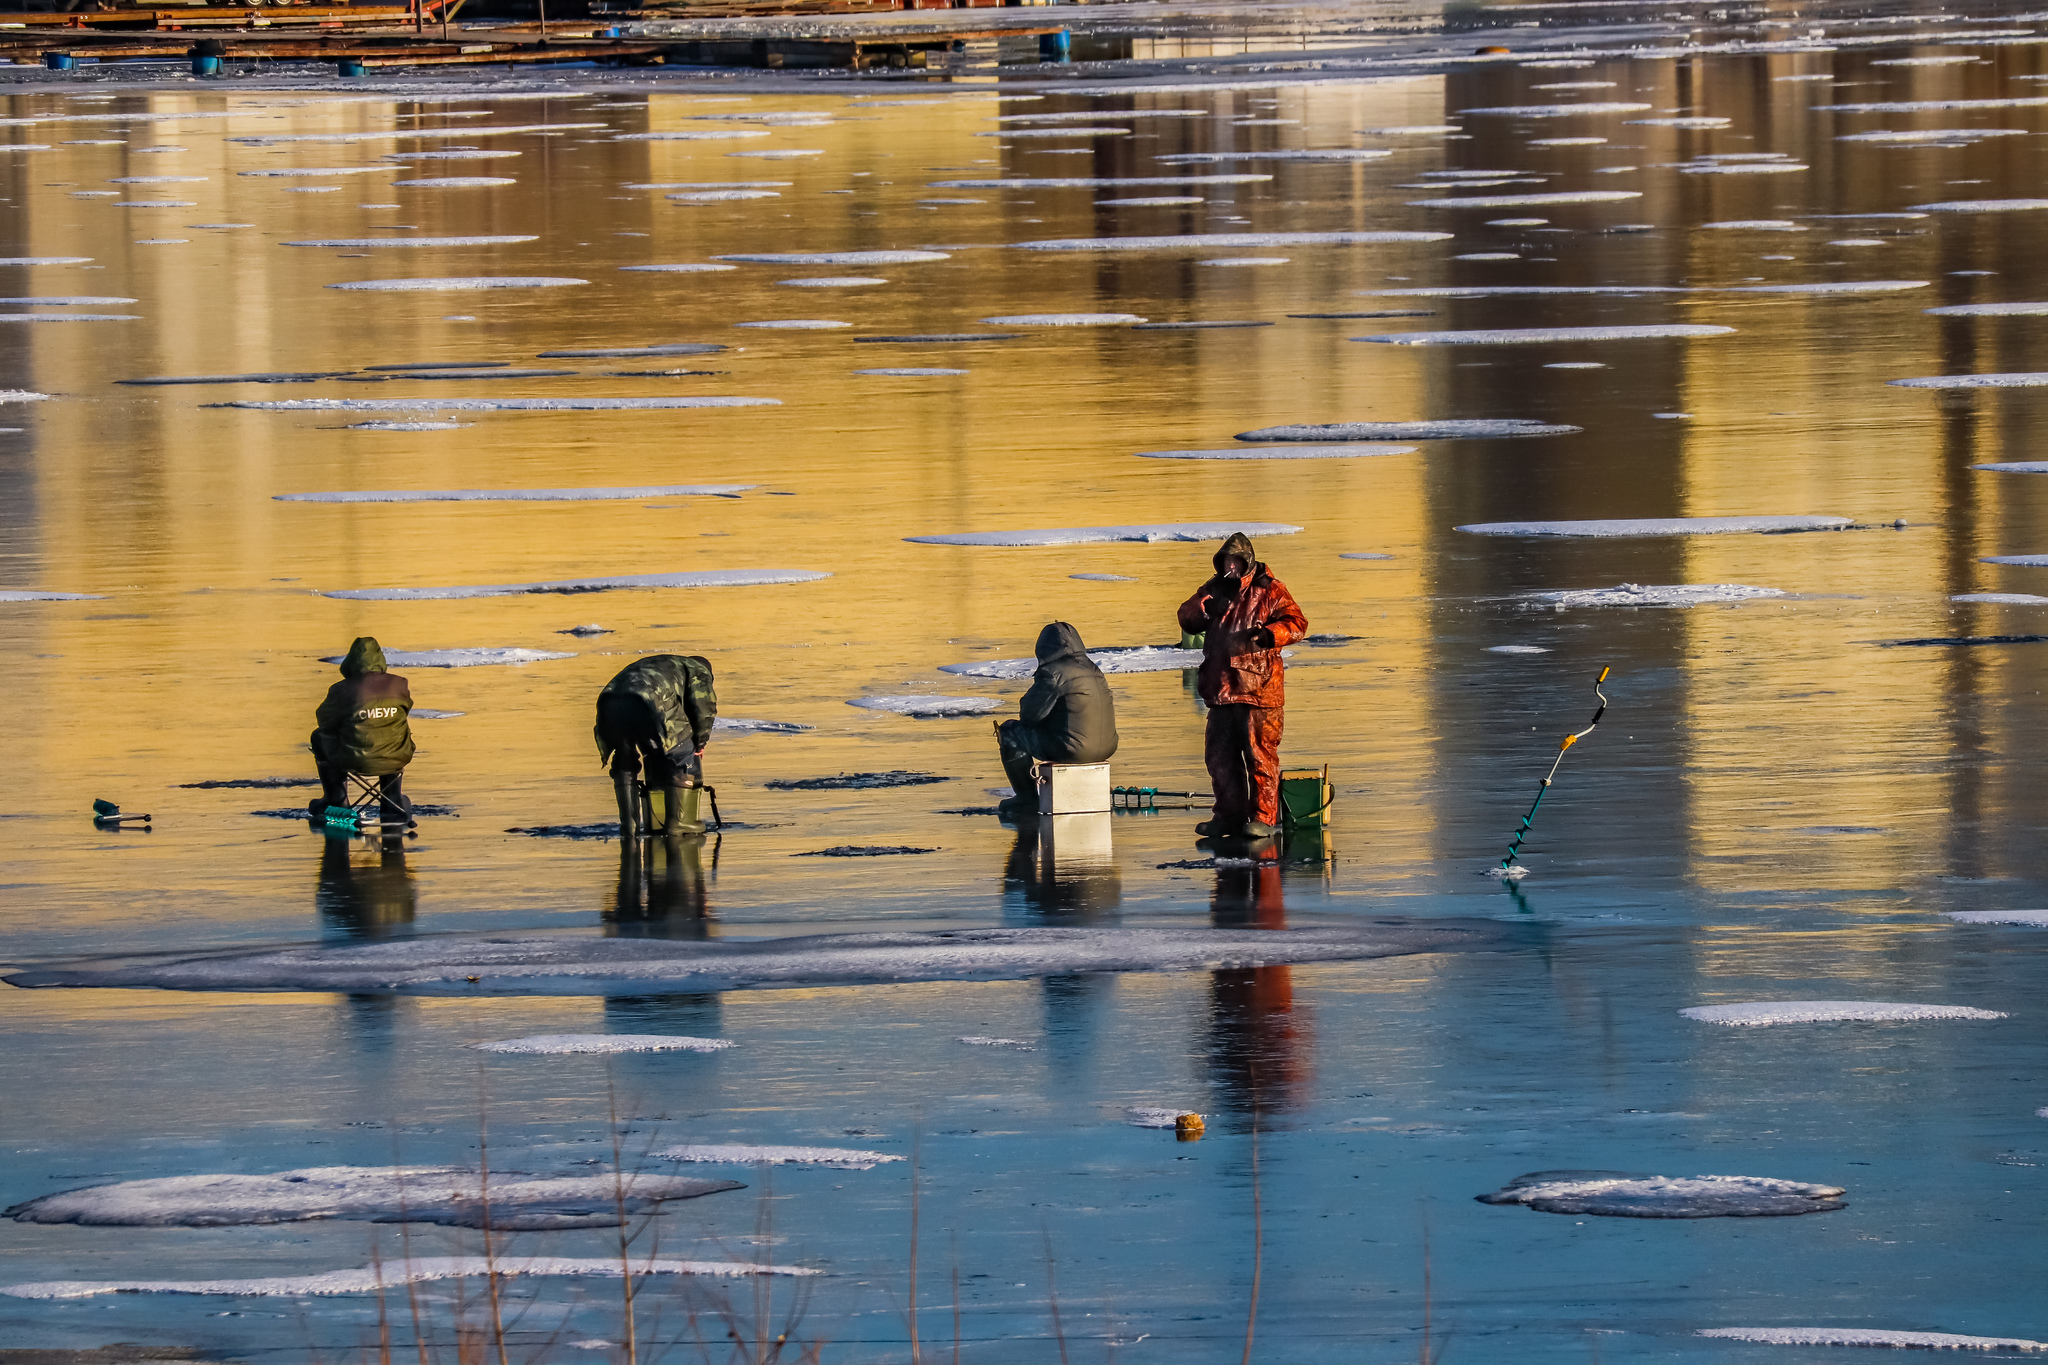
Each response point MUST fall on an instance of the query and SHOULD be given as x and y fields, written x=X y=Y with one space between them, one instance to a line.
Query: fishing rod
x=1515 y=848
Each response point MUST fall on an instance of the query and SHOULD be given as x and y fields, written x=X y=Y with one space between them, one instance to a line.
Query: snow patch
x=1063 y=320
x=1765 y=1013
x=2033 y=919
x=796 y=325
x=735 y=1154
x=1021 y=1044
x=928 y=707
x=1353 y=451
x=1559 y=110
x=1208 y=241
x=1862 y=1336
x=1657 y=526
x=2010 y=599
x=1094 y=182
x=1829 y=287
x=1668 y=595
x=573 y=1044
x=1452 y=429
x=1128 y=659
x=837 y=257
x=451 y=283
x=1090 y=535
x=1619 y=1194
x=1527 y=336
x=494 y=404
x=1340 y=155
x=1989 y=310
x=35 y=595
x=462 y=658
x=1516 y=201
x=358 y=243
x=418 y=1269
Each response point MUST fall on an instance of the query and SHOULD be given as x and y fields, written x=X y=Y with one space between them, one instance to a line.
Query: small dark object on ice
x=862 y=851
x=1967 y=640
x=261 y=783
x=607 y=830
x=592 y=629
x=895 y=777
x=973 y=810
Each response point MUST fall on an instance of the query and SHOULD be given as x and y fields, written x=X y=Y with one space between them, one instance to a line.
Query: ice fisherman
x=364 y=726
x=658 y=710
x=1066 y=716
x=1245 y=616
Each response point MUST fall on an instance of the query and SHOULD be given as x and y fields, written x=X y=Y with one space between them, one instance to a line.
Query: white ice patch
x=1245 y=260
x=595 y=964
x=1021 y=1044
x=1516 y=649
x=927 y=707
x=2032 y=919
x=495 y=404
x=694 y=135
x=1913 y=135
x=1514 y=291
x=280 y=171
x=1863 y=1336
x=356 y=243
x=721 y=196
x=448 y=283
x=1091 y=535
x=912 y=372
x=1129 y=659
x=1452 y=429
x=1150 y=1116
x=652 y=490
x=1916 y=106
x=1616 y=1194
x=1071 y=131
x=157 y=179
x=1568 y=142
x=1982 y=205
x=576 y=1044
x=1764 y=1013
x=1516 y=201
x=1559 y=110
x=70 y=317
x=1063 y=320
x=1209 y=241
x=833 y=282
x=1157 y=201
x=1094 y=182
x=1700 y=121
x=737 y=1154
x=1650 y=595
x=418 y=1269
x=1351 y=451
x=463 y=658
x=1341 y=155
x=428 y=713
x=1111 y=578
x=45 y=260
x=2024 y=380
x=1989 y=310
x=1657 y=526
x=1364 y=554
x=1829 y=287
x=418 y=1194
x=740 y=725
x=407 y=426
x=1742 y=168
x=36 y=595
x=22 y=396
x=461 y=154
x=2019 y=561
x=1758 y=225
x=1528 y=336
x=2006 y=599
x=700 y=578
x=683 y=268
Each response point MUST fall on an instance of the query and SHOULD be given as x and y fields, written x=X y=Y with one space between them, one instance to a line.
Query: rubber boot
x=681 y=811
x=626 y=786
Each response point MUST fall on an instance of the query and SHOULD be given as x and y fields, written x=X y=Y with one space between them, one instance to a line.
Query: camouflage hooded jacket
x=676 y=704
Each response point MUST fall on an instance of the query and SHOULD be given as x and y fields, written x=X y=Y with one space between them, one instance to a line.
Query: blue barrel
x=1056 y=47
x=58 y=61
x=349 y=66
x=206 y=66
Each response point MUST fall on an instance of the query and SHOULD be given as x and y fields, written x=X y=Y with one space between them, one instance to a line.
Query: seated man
x=1067 y=716
x=659 y=709
x=364 y=727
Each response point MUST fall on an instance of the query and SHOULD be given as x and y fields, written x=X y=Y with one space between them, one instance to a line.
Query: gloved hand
x=1263 y=638
x=1247 y=641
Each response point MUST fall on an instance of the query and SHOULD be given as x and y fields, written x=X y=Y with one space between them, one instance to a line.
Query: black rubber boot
x=1254 y=829
x=626 y=786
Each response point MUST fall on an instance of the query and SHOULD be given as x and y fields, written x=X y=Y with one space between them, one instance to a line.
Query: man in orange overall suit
x=1245 y=616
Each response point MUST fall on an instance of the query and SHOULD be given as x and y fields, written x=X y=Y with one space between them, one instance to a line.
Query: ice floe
x=449 y=1195
x=1451 y=429
x=1126 y=659
x=1516 y=201
x=1742 y=168
x=2032 y=919
x=721 y=196
x=483 y=657
x=70 y=317
x=1828 y=287
x=1352 y=451
x=1764 y=1013
x=1916 y=106
x=569 y=1044
x=1090 y=535
x=912 y=372
x=1072 y=130
x=1559 y=110
x=653 y=490
x=1063 y=320
x=1865 y=1336
x=1513 y=291
x=1989 y=310
x=1657 y=526
x=358 y=243
x=1620 y=1194
x=1758 y=225
x=45 y=260
x=450 y=283
x=494 y=404
x=739 y=1154
x=741 y=725
x=1649 y=595
x=699 y=578
x=2009 y=599
x=1092 y=182
x=632 y=352
x=406 y=426
x=1525 y=336
x=63 y=301
x=2022 y=380
x=1516 y=649
x=929 y=707
x=1982 y=205
x=289 y=171
x=594 y=964
x=838 y=257
x=37 y=595
x=1021 y=1044
x=1364 y=554
x=1911 y=136
x=694 y=135
x=1340 y=155
x=1210 y=241
x=682 y=268
x=371 y=1279
x=1126 y=578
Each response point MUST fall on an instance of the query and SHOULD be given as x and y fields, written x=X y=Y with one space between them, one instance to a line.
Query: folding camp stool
x=364 y=809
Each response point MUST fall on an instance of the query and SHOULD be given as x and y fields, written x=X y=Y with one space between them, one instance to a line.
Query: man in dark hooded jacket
x=1067 y=715
x=1246 y=616
x=364 y=726
x=658 y=709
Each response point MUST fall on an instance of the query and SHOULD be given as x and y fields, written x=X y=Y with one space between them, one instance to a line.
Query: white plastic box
x=1072 y=788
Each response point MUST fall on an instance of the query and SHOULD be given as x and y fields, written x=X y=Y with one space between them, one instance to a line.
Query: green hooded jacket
x=663 y=699
x=1068 y=714
x=365 y=723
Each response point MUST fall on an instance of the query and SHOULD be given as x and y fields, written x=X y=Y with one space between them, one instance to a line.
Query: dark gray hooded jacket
x=1068 y=712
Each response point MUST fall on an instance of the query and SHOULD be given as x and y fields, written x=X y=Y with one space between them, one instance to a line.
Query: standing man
x=1246 y=616
x=659 y=709
x=364 y=726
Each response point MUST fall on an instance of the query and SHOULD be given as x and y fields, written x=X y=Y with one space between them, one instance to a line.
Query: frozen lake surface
x=1703 y=346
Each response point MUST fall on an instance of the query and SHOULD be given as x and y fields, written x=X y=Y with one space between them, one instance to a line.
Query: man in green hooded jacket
x=658 y=710
x=1066 y=716
x=364 y=726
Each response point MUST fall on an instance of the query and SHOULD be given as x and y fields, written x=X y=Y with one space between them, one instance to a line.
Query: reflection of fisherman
x=364 y=727
x=1067 y=716
x=658 y=710
x=1247 y=615
x=1262 y=1046
x=664 y=888
x=362 y=899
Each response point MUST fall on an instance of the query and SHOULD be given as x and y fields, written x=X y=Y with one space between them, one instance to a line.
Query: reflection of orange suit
x=1244 y=624
x=1263 y=1047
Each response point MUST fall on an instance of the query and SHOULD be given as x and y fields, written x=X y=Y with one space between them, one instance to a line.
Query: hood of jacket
x=364 y=656
x=1060 y=641
x=1240 y=545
